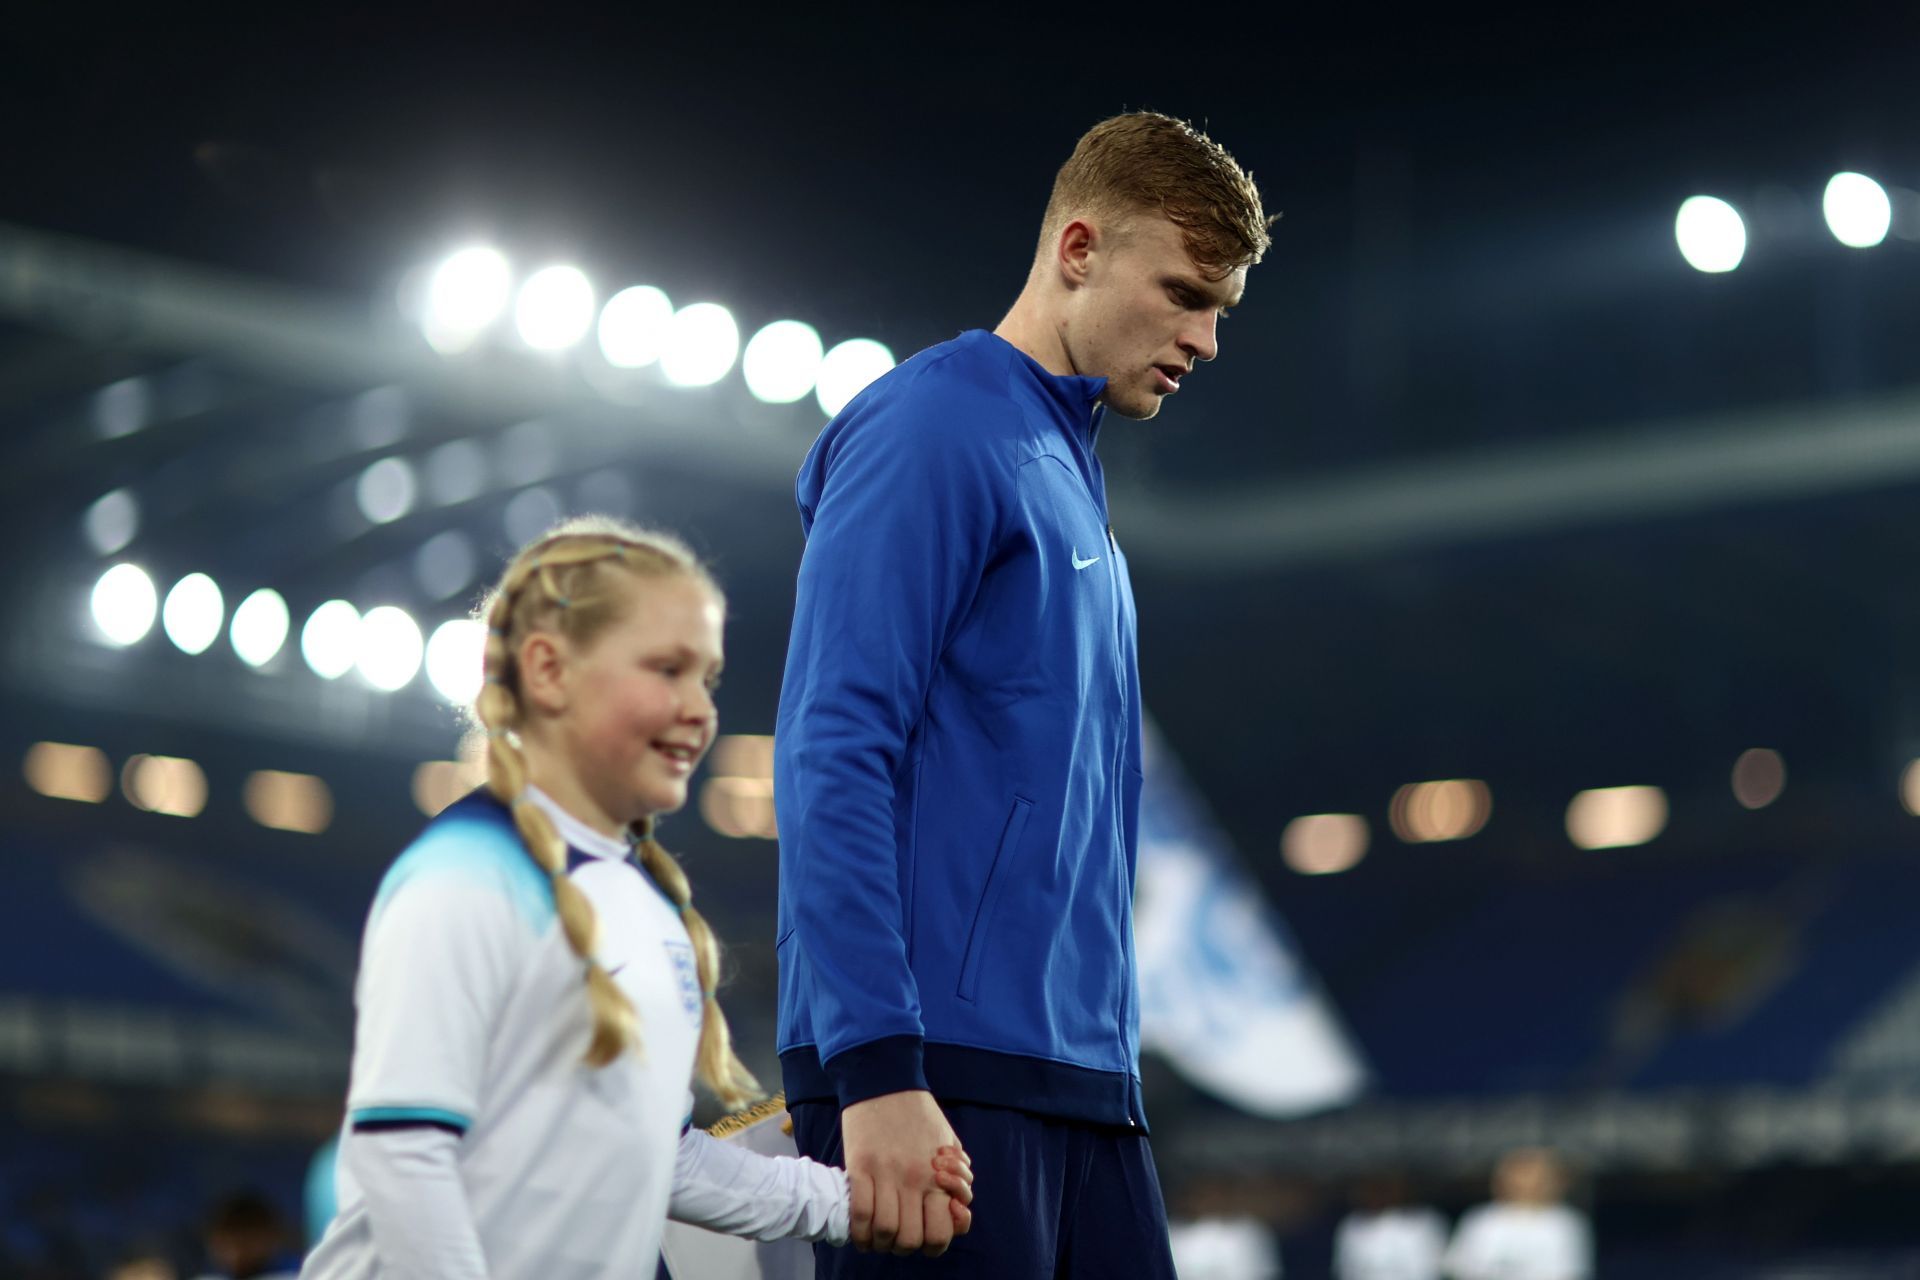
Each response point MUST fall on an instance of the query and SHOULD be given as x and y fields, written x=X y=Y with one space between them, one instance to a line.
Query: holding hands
x=909 y=1180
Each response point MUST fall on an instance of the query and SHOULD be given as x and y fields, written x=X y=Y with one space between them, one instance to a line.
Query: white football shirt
x=472 y=1015
x=1394 y=1244
x=1521 y=1242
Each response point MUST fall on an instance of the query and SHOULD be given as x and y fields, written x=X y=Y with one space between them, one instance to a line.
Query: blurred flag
x=1223 y=996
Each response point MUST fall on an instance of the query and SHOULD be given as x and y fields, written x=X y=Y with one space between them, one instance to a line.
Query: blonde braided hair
x=569 y=582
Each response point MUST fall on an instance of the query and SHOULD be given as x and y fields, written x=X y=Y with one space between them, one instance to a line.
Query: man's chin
x=1136 y=410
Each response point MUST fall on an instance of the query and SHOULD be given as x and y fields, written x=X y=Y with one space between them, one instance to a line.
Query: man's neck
x=1028 y=327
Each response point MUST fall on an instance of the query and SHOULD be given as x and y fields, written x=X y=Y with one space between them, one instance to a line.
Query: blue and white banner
x=1224 y=997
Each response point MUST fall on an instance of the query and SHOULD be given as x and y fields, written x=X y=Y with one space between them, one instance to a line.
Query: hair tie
x=561 y=601
x=708 y=996
x=680 y=908
x=496 y=733
x=491 y=678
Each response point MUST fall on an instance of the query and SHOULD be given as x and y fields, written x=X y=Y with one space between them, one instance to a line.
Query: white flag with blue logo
x=1223 y=996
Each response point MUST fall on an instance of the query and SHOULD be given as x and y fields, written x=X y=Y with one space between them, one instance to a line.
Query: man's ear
x=543 y=672
x=1074 y=250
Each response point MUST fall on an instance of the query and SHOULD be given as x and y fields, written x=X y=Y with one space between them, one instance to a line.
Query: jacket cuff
x=890 y=1064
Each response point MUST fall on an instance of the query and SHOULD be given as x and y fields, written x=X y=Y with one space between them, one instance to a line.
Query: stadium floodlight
x=456 y=472
x=388 y=647
x=1759 y=776
x=1431 y=812
x=782 y=361
x=193 y=613
x=1616 y=817
x=467 y=292
x=445 y=563
x=702 y=343
x=68 y=771
x=259 y=627
x=124 y=604
x=1857 y=209
x=329 y=642
x=456 y=659
x=386 y=490
x=847 y=370
x=1321 y=844
x=555 y=308
x=1711 y=235
x=112 y=521
x=633 y=326
x=165 y=784
x=122 y=408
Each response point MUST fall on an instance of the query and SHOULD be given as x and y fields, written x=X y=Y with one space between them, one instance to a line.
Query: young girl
x=536 y=988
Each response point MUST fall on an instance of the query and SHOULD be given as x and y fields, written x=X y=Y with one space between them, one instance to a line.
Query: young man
x=957 y=765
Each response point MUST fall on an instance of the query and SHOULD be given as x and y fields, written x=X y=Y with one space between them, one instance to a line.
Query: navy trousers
x=1052 y=1200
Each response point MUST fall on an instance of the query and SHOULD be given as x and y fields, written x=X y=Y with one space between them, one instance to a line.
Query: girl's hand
x=953 y=1174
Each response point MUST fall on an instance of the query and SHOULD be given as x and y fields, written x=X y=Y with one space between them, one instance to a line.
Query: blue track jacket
x=957 y=758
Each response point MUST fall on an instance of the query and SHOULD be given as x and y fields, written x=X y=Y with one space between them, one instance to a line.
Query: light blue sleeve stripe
x=476 y=851
x=425 y=1115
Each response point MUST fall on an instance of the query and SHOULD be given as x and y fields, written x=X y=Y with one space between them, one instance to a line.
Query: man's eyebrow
x=1207 y=290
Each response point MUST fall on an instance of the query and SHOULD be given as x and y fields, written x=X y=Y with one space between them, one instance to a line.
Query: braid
x=718 y=1065
x=616 y=1025
x=567 y=594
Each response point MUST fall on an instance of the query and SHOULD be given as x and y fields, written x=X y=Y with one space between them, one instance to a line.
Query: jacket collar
x=1076 y=397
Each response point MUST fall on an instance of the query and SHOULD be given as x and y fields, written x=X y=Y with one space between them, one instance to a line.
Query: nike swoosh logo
x=1078 y=563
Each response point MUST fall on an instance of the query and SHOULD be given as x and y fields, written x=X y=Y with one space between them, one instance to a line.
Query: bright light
x=456 y=658
x=385 y=490
x=1858 y=211
x=67 y=772
x=329 y=640
x=1759 y=776
x=165 y=784
x=742 y=755
x=259 y=627
x=387 y=648
x=456 y=472
x=467 y=293
x=1910 y=789
x=555 y=309
x=1615 y=817
x=193 y=613
x=1711 y=236
x=1321 y=844
x=782 y=361
x=702 y=344
x=531 y=513
x=444 y=563
x=740 y=808
x=124 y=603
x=122 y=408
x=288 y=801
x=633 y=326
x=847 y=370
x=1427 y=812
x=112 y=521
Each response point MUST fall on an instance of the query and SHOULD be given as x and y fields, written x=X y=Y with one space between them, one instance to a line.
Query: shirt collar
x=577 y=834
x=1076 y=395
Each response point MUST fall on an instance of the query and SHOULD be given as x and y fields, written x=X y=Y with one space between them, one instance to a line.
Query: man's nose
x=1202 y=339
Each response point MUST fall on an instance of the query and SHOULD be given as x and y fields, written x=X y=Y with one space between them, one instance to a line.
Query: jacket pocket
x=980 y=934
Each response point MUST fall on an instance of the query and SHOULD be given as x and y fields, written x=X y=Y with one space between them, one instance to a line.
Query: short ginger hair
x=1145 y=161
